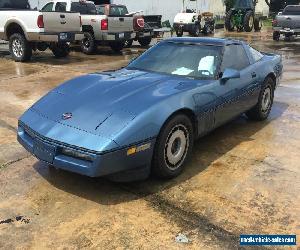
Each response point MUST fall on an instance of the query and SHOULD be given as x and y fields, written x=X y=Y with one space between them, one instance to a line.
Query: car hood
x=103 y=104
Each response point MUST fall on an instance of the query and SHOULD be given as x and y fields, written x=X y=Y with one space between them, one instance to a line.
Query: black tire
x=128 y=43
x=173 y=147
x=88 y=44
x=228 y=21
x=197 y=30
x=208 y=29
x=257 y=24
x=179 y=33
x=60 y=50
x=276 y=36
x=117 y=46
x=248 y=21
x=263 y=108
x=19 y=48
x=145 y=41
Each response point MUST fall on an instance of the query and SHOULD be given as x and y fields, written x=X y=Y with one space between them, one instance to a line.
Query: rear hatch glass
x=84 y=8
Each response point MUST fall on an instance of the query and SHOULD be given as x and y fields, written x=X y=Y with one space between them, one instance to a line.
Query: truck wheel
x=257 y=24
x=179 y=33
x=128 y=43
x=228 y=21
x=20 y=48
x=248 y=21
x=197 y=31
x=276 y=36
x=88 y=43
x=265 y=101
x=60 y=50
x=173 y=147
x=117 y=46
x=145 y=41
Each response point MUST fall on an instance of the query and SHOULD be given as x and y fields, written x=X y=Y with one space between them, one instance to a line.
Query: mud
x=243 y=178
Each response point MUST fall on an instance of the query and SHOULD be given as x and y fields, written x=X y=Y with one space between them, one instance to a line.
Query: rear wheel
x=248 y=21
x=117 y=46
x=20 y=48
x=88 y=44
x=145 y=41
x=229 y=21
x=257 y=24
x=60 y=50
x=128 y=43
x=179 y=32
x=276 y=36
x=265 y=101
x=197 y=30
x=173 y=147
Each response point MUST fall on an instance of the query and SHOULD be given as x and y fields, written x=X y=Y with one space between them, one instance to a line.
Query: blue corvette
x=145 y=117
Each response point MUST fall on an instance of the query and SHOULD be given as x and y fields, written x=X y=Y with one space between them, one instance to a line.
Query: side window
x=101 y=10
x=234 y=57
x=61 y=7
x=48 y=7
x=256 y=55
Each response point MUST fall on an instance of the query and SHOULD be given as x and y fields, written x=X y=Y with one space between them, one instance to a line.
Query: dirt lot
x=243 y=178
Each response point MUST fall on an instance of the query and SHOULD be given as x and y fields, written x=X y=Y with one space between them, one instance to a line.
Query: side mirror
x=230 y=74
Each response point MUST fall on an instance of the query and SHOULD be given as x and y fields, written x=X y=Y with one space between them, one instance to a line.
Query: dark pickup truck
x=287 y=22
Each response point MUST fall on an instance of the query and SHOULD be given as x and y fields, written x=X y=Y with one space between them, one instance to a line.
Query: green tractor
x=243 y=17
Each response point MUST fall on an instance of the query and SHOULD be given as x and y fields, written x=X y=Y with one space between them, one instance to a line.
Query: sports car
x=145 y=118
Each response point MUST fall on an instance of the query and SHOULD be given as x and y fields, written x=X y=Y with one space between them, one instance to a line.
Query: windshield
x=292 y=10
x=196 y=61
x=244 y=4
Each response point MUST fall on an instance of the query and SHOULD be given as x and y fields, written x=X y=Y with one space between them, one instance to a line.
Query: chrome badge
x=67 y=116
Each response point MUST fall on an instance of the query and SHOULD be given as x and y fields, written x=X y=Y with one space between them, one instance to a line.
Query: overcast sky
x=34 y=3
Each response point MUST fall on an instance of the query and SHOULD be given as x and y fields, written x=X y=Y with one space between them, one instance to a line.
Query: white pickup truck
x=28 y=30
x=111 y=29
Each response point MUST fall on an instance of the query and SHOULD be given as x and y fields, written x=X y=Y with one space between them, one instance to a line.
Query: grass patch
x=267 y=22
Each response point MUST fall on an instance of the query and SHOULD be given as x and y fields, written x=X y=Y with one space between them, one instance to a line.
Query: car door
x=232 y=94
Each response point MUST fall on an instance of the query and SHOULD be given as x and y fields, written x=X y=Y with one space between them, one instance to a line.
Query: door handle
x=253 y=75
x=62 y=16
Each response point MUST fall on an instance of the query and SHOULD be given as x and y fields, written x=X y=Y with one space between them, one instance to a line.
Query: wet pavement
x=243 y=178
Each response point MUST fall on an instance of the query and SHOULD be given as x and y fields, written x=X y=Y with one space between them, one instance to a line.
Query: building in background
x=168 y=8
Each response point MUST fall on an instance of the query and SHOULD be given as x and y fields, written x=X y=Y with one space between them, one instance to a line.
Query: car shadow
x=208 y=149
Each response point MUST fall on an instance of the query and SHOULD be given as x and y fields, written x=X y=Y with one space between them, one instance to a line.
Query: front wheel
x=248 y=21
x=20 y=48
x=173 y=147
x=265 y=102
x=60 y=50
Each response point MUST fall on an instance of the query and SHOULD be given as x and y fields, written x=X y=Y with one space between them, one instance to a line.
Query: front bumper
x=56 y=37
x=93 y=164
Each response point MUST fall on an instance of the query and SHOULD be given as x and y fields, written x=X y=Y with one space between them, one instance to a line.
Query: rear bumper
x=185 y=27
x=94 y=165
x=118 y=36
x=143 y=34
x=286 y=30
x=55 y=37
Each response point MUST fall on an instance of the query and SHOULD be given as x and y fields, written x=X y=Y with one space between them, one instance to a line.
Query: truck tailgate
x=120 y=24
x=61 y=22
x=290 y=21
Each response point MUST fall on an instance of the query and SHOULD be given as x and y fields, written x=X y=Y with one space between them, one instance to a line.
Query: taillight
x=80 y=21
x=140 y=22
x=104 y=24
x=40 y=21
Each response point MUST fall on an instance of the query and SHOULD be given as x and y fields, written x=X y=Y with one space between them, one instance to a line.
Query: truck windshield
x=13 y=4
x=118 y=10
x=84 y=8
x=291 y=10
x=191 y=60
